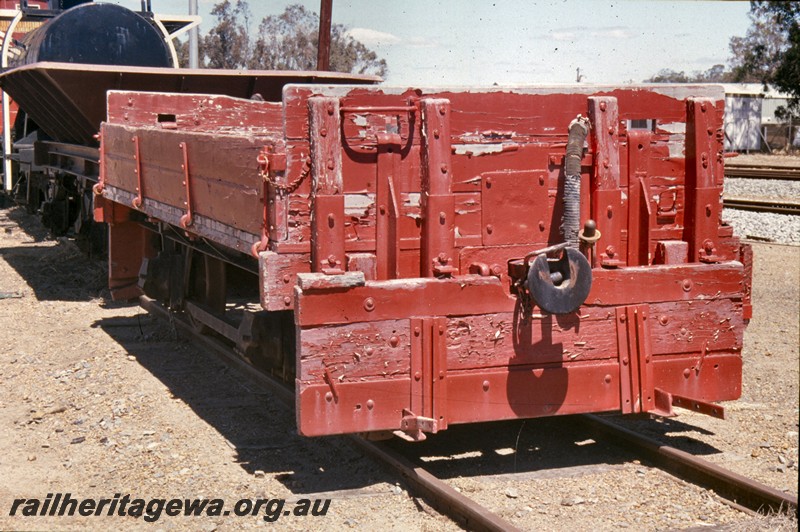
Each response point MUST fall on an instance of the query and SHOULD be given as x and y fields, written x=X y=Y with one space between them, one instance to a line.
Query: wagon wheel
x=206 y=287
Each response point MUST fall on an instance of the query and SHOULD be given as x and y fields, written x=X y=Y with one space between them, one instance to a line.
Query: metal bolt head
x=417 y=376
x=542 y=225
x=370 y=404
x=286 y=278
x=287 y=301
x=394 y=340
x=369 y=304
x=607 y=379
x=329 y=397
x=687 y=285
x=489 y=228
x=330 y=164
x=443 y=168
x=603 y=106
x=323 y=132
x=541 y=180
x=442 y=217
x=331 y=260
x=611 y=251
x=368 y=351
x=485 y=386
x=436 y=133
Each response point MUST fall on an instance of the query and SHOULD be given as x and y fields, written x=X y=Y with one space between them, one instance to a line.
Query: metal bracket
x=186 y=219
x=415 y=427
x=665 y=401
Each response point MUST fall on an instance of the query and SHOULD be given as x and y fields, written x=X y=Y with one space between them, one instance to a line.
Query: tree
x=715 y=74
x=770 y=51
x=289 y=42
x=284 y=42
x=227 y=45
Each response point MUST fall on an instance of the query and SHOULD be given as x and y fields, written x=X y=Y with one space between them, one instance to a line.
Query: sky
x=519 y=42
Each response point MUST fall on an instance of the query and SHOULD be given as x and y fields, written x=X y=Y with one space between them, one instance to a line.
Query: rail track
x=738 y=491
x=771 y=205
x=761 y=171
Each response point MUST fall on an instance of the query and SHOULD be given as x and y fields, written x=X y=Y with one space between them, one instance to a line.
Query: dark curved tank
x=98 y=34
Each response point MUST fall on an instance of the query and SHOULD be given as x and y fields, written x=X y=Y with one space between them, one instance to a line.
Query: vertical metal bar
x=417 y=354
x=646 y=386
x=438 y=203
x=607 y=197
x=327 y=187
x=703 y=188
x=324 y=48
x=386 y=242
x=194 y=59
x=439 y=377
x=626 y=406
x=638 y=202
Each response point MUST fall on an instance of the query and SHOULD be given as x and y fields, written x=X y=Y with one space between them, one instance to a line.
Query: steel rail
x=756 y=171
x=773 y=205
x=732 y=486
x=438 y=494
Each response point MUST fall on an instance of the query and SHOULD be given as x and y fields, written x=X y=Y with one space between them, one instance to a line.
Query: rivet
x=541 y=180
x=687 y=285
x=489 y=228
x=416 y=331
x=663 y=320
x=610 y=211
x=686 y=373
x=488 y=182
x=436 y=133
x=286 y=278
x=610 y=251
x=443 y=168
x=368 y=351
x=417 y=376
x=542 y=225
x=602 y=106
x=382 y=208
x=393 y=341
x=708 y=209
x=330 y=164
x=331 y=220
x=287 y=301
x=330 y=108
x=441 y=375
x=605 y=163
x=323 y=132
x=441 y=329
x=622 y=318
x=608 y=379
x=442 y=111
x=442 y=217
x=329 y=397
x=610 y=130
x=369 y=304
x=370 y=404
x=625 y=361
x=703 y=107
x=485 y=386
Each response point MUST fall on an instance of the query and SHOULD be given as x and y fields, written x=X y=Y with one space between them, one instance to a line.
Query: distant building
x=750 y=123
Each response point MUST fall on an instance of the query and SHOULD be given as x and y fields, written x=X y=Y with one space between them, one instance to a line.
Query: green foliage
x=770 y=52
x=283 y=42
x=715 y=74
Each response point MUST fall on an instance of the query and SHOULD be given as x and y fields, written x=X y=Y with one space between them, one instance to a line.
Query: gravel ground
x=779 y=228
x=98 y=399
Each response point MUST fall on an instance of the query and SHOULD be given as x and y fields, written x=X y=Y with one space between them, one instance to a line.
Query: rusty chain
x=286 y=188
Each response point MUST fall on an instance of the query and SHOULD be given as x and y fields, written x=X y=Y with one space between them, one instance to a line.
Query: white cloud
x=612 y=33
x=373 y=37
x=563 y=36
